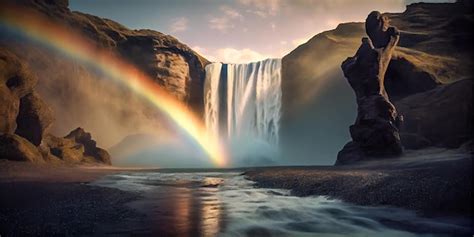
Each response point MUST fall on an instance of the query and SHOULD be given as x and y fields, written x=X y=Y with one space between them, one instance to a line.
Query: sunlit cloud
x=259 y=13
x=179 y=25
x=299 y=41
x=204 y=52
x=263 y=7
x=232 y=55
x=221 y=24
x=231 y=13
x=226 y=21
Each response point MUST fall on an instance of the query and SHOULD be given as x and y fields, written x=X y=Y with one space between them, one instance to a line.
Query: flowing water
x=226 y=204
x=243 y=101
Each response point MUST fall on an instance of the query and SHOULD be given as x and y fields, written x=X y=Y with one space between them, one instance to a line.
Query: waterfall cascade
x=243 y=101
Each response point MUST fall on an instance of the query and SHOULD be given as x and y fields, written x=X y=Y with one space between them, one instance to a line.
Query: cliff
x=172 y=64
x=81 y=96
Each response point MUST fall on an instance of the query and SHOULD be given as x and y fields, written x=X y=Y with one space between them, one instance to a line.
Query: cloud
x=220 y=23
x=259 y=13
x=231 y=13
x=262 y=7
x=179 y=25
x=232 y=55
x=226 y=20
x=204 y=52
x=299 y=41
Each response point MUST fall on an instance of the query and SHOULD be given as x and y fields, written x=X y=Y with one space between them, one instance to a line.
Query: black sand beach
x=49 y=201
x=433 y=182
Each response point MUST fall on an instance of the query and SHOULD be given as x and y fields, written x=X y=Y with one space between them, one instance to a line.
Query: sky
x=238 y=31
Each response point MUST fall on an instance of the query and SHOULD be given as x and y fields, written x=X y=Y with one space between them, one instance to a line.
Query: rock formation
x=315 y=94
x=34 y=118
x=172 y=64
x=15 y=83
x=80 y=136
x=25 y=120
x=376 y=130
x=14 y=147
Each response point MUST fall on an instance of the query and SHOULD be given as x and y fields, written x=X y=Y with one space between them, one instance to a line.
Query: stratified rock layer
x=375 y=132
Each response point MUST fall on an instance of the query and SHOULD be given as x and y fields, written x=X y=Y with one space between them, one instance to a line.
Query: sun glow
x=36 y=27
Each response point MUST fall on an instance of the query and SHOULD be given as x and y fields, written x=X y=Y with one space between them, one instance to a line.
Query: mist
x=82 y=97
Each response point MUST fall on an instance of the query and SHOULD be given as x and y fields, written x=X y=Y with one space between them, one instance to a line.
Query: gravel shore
x=41 y=200
x=433 y=182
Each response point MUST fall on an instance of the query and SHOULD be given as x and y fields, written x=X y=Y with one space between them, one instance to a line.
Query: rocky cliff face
x=80 y=96
x=172 y=64
x=74 y=95
x=25 y=121
x=434 y=50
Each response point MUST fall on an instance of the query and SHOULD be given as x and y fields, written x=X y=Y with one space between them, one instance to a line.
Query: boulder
x=84 y=138
x=34 y=119
x=14 y=147
x=376 y=130
x=79 y=135
x=65 y=149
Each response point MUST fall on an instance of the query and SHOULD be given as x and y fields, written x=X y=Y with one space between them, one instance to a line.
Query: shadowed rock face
x=375 y=132
x=14 y=147
x=34 y=119
x=440 y=117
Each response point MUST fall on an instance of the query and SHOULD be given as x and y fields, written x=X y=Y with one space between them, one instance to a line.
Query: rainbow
x=38 y=28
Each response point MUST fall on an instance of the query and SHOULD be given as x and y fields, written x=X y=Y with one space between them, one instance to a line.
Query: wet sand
x=433 y=182
x=45 y=200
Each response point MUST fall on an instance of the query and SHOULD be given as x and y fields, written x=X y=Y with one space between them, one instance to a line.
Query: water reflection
x=188 y=206
x=181 y=213
x=226 y=204
x=211 y=208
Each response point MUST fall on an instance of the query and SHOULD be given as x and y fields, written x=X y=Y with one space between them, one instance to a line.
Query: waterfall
x=211 y=97
x=243 y=101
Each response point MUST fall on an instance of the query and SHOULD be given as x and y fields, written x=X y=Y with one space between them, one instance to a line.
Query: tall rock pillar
x=375 y=132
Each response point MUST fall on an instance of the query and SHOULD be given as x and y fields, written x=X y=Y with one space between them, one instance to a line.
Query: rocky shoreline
x=433 y=182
